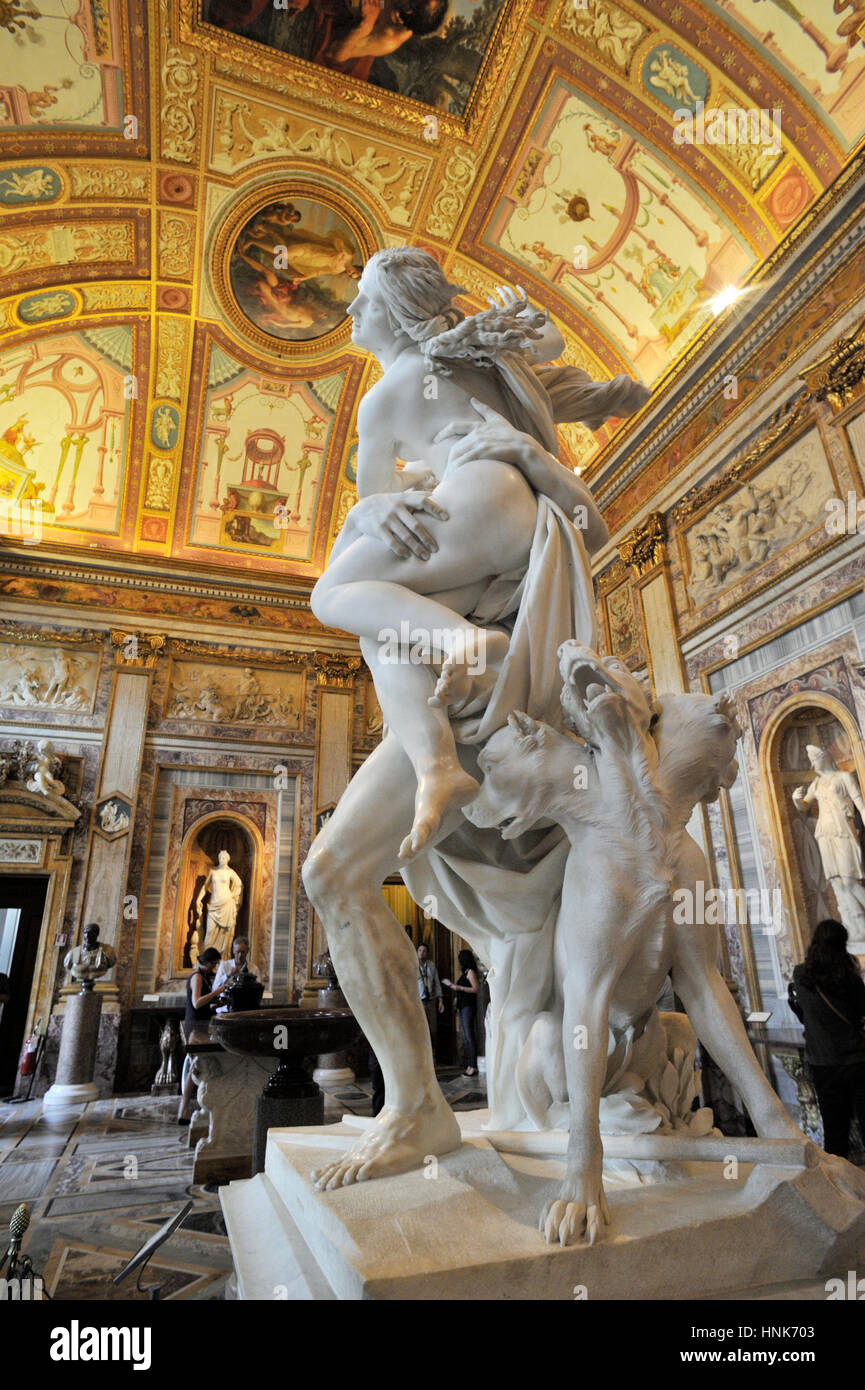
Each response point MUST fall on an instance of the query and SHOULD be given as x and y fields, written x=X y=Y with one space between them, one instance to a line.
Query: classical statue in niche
x=85 y=963
x=836 y=794
x=226 y=894
x=481 y=543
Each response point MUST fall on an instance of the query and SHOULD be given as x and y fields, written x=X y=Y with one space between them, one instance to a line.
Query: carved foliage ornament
x=644 y=548
x=179 y=120
x=334 y=670
x=137 y=648
x=839 y=376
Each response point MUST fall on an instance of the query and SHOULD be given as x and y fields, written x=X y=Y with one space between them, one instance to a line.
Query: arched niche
x=201 y=845
x=824 y=720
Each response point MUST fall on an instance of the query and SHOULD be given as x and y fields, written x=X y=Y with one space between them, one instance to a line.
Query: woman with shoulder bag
x=827 y=994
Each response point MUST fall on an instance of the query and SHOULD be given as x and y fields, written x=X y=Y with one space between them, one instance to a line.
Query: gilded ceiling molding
x=141 y=649
x=645 y=547
x=171 y=357
x=335 y=671
x=176 y=245
x=839 y=376
x=108 y=180
x=117 y=295
x=451 y=198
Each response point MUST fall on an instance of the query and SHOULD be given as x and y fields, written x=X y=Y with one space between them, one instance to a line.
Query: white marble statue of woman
x=490 y=549
x=836 y=794
x=226 y=894
x=412 y=606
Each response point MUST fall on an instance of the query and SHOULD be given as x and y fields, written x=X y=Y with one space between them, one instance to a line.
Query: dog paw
x=567 y=1219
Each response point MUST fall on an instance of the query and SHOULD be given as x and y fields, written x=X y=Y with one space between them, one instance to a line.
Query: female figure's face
x=371 y=326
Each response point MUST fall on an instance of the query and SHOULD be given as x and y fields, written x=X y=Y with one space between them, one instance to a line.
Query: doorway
x=22 y=905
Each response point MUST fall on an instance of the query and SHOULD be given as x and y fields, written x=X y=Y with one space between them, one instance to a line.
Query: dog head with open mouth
x=523 y=765
x=600 y=697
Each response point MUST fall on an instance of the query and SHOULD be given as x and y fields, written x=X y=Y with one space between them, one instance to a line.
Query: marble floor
x=101 y=1179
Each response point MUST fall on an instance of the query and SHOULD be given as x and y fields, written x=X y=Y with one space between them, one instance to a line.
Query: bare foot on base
x=459 y=670
x=445 y=788
x=580 y=1212
x=395 y=1143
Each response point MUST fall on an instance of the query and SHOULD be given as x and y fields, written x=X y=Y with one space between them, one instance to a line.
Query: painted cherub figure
x=406 y=592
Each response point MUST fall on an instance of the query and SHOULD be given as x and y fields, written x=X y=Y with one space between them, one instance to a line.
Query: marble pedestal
x=73 y=1082
x=465 y=1227
x=331 y=1068
x=228 y=1088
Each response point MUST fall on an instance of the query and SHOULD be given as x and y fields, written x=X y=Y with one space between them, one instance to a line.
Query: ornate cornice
x=645 y=547
x=239 y=656
x=334 y=671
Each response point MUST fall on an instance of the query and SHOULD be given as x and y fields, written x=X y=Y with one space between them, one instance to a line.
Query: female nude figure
x=437 y=364
x=474 y=529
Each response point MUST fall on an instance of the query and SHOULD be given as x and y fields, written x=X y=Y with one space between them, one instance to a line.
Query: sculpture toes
x=573 y=1224
x=351 y=1172
x=336 y=1178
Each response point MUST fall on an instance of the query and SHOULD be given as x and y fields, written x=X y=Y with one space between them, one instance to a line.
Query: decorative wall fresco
x=293 y=269
x=65 y=405
x=424 y=49
x=759 y=520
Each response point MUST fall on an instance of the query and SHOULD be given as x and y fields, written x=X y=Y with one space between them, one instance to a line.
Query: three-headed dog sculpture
x=623 y=791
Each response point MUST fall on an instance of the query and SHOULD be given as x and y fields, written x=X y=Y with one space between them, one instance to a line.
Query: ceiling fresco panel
x=817 y=45
x=67 y=436
x=258 y=485
x=78 y=70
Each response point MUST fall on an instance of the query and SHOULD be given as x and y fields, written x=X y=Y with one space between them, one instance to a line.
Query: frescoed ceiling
x=168 y=396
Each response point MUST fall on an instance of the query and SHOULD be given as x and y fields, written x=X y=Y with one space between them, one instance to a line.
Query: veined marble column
x=108 y=851
x=335 y=674
x=645 y=551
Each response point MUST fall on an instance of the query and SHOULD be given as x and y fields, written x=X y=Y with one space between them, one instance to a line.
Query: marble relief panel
x=37 y=676
x=202 y=692
x=757 y=523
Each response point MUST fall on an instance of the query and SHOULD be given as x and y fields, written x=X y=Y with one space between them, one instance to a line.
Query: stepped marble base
x=466 y=1226
x=71 y=1094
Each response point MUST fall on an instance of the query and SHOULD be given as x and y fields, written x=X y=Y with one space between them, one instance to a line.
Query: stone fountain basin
x=285 y=1031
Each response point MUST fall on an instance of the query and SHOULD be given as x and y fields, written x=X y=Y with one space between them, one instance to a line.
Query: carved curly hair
x=419 y=298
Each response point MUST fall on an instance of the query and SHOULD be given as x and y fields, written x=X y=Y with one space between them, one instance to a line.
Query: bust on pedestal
x=73 y=1084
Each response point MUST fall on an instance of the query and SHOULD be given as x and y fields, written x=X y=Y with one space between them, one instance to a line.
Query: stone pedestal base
x=275 y=1112
x=326 y=1074
x=466 y=1225
x=77 y=1059
x=70 y=1095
